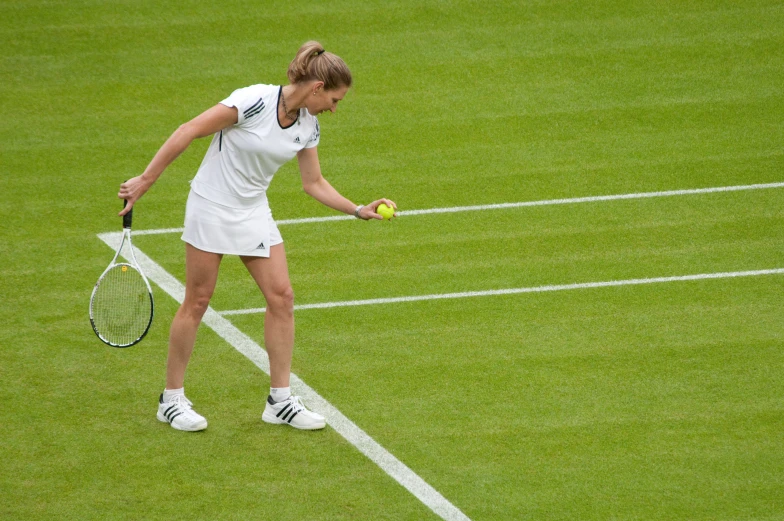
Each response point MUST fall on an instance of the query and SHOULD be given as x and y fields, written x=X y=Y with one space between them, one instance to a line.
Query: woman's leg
x=272 y=276
x=201 y=274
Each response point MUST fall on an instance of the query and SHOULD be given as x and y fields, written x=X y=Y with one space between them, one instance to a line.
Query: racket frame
x=134 y=265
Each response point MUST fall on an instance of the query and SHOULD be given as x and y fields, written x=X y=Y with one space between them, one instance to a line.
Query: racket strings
x=122 y=306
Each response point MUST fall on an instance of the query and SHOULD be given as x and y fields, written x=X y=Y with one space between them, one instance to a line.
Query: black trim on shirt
x=277 y=112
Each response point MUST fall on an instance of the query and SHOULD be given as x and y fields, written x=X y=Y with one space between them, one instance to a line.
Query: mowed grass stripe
x=548 y=247
x=504 y=206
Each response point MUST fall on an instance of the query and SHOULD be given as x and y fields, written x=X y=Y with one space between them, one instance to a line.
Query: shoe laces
x=296 y=404
x=182 y=401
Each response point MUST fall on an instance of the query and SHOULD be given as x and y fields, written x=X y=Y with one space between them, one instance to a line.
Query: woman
x=255 y=131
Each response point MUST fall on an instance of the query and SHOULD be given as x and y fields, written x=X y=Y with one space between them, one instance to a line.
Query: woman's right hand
x=131 y=190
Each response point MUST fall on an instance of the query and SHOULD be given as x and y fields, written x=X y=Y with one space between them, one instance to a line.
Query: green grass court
x=639 y=402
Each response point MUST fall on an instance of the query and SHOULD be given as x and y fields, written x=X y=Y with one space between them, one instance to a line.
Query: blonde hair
x=312 y=62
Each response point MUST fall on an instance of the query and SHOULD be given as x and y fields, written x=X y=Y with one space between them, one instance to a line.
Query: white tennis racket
x=121 y=306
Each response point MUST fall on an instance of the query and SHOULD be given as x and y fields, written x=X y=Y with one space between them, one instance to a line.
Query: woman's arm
x=205 y=124
x=319 y=188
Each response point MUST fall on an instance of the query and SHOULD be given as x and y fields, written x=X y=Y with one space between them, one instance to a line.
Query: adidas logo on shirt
x=297 y=140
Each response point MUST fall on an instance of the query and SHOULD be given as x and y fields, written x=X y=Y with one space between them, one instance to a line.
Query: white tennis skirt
x=216 y=228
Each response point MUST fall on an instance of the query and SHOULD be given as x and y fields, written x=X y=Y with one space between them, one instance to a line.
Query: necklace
x=285 y=108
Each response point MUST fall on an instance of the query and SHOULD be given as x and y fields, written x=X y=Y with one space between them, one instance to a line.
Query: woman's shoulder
x=262 y=89
x=252 y=95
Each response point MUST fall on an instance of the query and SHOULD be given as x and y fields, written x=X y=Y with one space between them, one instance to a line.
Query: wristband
x=357 y=210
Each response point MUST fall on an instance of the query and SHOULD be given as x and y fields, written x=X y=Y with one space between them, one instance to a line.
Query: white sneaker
x=292 y=412
x=179 y=413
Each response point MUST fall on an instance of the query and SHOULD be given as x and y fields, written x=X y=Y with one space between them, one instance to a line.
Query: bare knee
x=281 y=301
x=195 y=306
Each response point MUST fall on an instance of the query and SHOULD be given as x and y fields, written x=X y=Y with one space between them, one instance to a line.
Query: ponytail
x=312 y=62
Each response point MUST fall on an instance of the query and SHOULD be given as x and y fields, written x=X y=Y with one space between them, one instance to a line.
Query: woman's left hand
x=369 y=211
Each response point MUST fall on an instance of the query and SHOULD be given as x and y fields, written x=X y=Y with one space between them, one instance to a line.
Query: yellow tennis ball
x=387 y=212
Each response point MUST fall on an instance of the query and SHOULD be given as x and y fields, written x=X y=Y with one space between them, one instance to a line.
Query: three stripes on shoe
x=286 y=411
x=172 y=412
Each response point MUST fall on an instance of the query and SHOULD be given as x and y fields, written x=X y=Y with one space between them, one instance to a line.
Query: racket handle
x=128 y=217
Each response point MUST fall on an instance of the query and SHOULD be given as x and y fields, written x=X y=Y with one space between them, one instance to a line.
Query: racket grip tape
x=128 y=217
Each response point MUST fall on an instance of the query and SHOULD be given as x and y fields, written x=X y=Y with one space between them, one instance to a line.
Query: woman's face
x=325 y=100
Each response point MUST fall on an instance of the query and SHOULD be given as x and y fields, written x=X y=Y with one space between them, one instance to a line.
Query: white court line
x=515 y=291
x=337 y=420
x=503 y=206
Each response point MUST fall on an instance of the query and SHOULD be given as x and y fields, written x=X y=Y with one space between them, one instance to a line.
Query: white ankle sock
x=168 y=394
x=280 y=393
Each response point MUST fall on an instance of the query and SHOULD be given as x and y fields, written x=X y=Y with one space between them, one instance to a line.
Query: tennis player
x=254 y=132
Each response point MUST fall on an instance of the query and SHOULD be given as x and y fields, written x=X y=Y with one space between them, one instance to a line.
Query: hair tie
x=319 y=53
